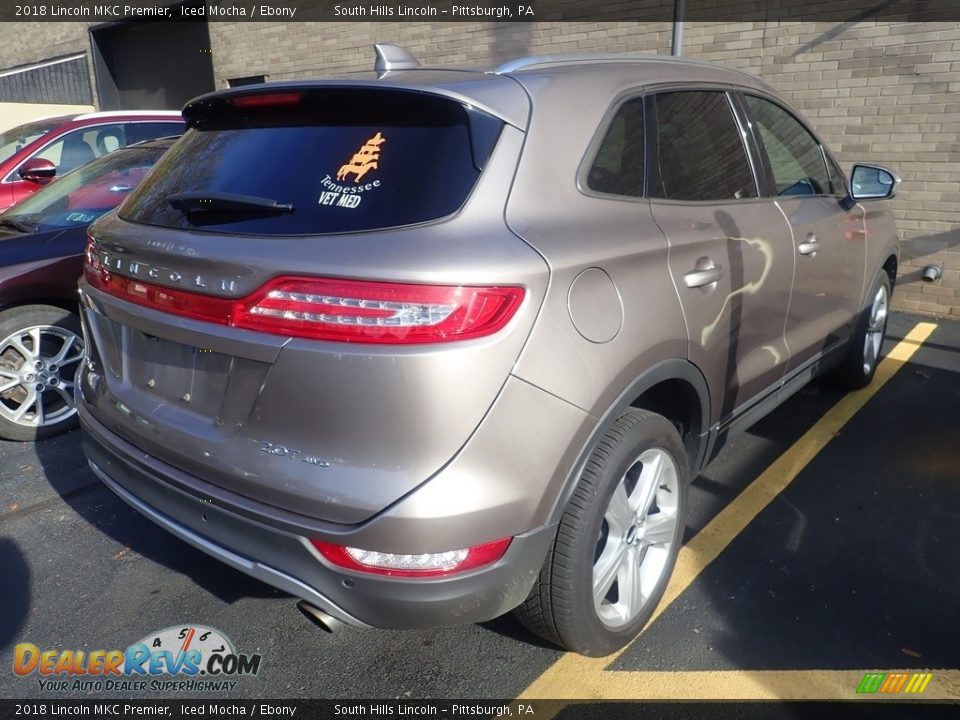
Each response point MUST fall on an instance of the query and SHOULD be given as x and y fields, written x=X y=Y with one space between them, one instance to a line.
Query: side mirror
x=38 y=170
x=872 y=182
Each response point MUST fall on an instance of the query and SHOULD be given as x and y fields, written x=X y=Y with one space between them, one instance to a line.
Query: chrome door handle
x=706 y=276
x=810 y=247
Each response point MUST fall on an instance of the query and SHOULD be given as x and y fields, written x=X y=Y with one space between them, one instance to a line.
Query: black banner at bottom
x=473 y=709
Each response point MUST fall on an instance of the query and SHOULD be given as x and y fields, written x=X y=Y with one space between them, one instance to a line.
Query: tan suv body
x=423 y=346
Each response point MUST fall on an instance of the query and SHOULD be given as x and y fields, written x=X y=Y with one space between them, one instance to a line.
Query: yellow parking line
x=770 y=685
x=576 y=676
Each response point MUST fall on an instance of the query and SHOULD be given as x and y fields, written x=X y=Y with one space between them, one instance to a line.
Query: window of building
x=249 y=80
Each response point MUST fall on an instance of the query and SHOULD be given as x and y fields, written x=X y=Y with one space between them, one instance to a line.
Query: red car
x=41 y=258
x=32 y=155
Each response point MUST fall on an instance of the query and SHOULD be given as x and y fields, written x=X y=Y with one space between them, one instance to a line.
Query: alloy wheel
x=37 y=365
x=876 y=326
x=636 y=538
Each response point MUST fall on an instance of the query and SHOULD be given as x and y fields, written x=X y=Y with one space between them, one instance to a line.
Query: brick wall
x=882 y=92
x=287 y=50
x=876 y=92
x=28 y=43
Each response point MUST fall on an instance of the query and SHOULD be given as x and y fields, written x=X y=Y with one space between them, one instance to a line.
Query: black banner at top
x=644 y=11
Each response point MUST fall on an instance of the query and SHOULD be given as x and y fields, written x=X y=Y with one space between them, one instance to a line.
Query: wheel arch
x=890 y=267
x=57 y=302
x=674 y=388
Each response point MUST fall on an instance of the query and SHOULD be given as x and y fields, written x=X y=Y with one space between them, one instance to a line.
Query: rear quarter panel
x=575 y=231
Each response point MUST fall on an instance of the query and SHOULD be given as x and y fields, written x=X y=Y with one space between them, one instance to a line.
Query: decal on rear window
x=365 y=159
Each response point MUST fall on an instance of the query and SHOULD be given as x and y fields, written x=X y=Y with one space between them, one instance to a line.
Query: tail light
x=331 y=309
x=425 y=565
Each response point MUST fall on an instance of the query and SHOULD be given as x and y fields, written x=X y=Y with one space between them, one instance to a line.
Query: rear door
x=827 y=239
x=730 y=250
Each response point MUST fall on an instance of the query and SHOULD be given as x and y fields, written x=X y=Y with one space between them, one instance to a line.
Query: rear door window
x=700 y=153
x=79 y=147
x=340 y=160
x=140 y=131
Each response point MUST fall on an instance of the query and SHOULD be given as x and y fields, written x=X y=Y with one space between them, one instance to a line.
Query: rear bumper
x=253 y=543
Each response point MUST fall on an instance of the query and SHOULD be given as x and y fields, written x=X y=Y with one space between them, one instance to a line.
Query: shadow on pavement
x=16 y=590
x=65 y=467
x=853 y=565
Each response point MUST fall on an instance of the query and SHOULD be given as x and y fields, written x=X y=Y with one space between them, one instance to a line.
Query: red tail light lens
x=355 y=311
x=426 y=565
x=328 y=309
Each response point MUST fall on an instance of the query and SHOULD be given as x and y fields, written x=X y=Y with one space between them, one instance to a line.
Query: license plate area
x=193 y=377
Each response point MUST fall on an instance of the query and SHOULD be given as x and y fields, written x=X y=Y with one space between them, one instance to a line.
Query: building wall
x=13 y=114
x=27 y=43
x=877 y=92
x=884 y=93
x=287 y=50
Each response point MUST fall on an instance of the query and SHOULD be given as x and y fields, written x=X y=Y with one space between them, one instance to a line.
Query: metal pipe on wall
x=676 y=42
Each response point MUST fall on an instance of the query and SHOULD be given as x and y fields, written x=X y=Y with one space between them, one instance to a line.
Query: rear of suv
x=424 y=346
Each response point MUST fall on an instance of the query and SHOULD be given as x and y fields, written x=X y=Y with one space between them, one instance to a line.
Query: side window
x=81 y=146
x=618 y=166
x=700 y=154
x=138 y=132
x=795 y=156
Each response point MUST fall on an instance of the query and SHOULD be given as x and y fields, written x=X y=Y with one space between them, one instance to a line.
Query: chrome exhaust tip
x=319 y=618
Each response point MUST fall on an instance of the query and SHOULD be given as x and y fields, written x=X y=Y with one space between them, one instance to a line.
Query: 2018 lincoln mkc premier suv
x=424 y=346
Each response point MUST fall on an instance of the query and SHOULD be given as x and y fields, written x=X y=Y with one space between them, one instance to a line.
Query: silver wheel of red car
x=39 y=352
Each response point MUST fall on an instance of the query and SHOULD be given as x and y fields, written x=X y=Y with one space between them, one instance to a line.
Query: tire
x=860 y=361
x=604 y=541
x=22 y=381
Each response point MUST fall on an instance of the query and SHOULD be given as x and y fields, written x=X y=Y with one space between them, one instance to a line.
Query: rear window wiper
x=221 y=202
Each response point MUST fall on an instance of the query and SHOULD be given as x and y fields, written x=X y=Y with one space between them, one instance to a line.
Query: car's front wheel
x=40 y=347
x=859 y=365
x=617 y=541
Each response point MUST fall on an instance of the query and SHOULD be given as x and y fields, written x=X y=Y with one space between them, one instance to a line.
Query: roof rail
x=536 y=61
x=393 y=57
x=122 y=113
x=525 y=63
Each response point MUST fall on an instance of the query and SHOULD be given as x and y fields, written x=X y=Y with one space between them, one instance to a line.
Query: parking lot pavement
x=821 y=544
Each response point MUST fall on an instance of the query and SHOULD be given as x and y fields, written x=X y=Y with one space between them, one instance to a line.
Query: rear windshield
x=335 y=160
